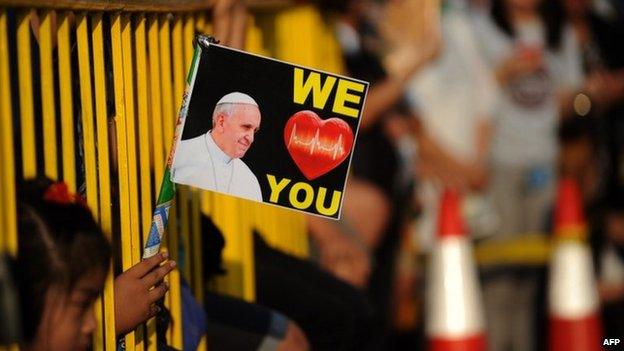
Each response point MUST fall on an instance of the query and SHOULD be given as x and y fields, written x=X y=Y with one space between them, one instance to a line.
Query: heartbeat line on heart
x=315 y=144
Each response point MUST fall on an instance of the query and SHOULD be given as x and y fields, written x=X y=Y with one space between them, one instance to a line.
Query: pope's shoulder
x=248 y=180
x=188 y=151
x=242 y=166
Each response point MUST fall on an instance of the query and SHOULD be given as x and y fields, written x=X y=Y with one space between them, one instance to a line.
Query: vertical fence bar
x=156 y=119
x=332 y=58
x=198 y=278
x=232 y=282
x=169 y=116
x=156 y=111
x=157 y=127
x=301 y=228
x=29 y=155
x=6 y=127
x=3 y=214
x=169 y=120
x=164 y=59
x=237 y=235
x=48 y=111
x=206 y=202
x=88 y=135
x=104 y=170
x=144 y=146
x=267 y=225
x=128 y=85
x=129 y=80
x=9 y=222
x=179 y=78
x=195 y=250
x=185 y=229
x=86 y=108
x=143 y=125
x=247 y=251
x=200 y=22
x=254 y=42
x=189 y=35
x=122 y=151
x=67 y=103
x=176 y=294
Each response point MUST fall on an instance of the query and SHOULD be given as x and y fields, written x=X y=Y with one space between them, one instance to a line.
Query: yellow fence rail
x=89 y=94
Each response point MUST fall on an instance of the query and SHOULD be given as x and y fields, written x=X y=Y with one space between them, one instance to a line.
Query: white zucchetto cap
x=237 y=98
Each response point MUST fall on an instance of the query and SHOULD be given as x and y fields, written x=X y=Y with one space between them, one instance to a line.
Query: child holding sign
x=62 y=261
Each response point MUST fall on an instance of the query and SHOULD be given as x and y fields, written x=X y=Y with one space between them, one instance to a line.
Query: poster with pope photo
x=269 y=131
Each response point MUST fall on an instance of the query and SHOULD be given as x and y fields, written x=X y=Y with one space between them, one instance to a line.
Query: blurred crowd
x=495 y=98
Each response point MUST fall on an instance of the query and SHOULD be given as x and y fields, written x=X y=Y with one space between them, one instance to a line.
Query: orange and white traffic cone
x=573 y=296
x=454 y=315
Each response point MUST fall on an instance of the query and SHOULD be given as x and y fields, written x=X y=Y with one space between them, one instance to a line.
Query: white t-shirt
x=456 y=90
x=200 y=162
x=526 y=113
x=452 y=95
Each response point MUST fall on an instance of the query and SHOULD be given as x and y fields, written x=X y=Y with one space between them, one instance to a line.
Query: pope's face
x=235 y=133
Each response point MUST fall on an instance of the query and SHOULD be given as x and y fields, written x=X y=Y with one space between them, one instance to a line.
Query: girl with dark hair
x=536 y=63
x=61 y=266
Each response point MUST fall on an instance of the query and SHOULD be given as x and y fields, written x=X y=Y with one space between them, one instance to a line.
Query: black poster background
x=221 y=71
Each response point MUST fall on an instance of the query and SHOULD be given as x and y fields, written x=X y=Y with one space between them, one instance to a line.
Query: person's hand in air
x=524 y=61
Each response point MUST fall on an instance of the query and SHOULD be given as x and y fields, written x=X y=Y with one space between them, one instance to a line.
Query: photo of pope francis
x=212 y=161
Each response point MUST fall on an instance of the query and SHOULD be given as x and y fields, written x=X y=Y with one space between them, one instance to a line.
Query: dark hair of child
x=59 y=243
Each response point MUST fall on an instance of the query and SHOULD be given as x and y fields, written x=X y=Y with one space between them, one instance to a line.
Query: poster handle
x=166 y=195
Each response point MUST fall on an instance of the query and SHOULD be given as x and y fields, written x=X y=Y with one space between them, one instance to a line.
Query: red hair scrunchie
x=59 y=193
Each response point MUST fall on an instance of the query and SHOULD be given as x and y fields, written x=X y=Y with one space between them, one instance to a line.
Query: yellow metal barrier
x=26 y=95
x=5 y=107
x=47 y=95
x=67 y=102
x=144 y=146
x=88 y=127
x=89 y=144
x=8 y=219
x=97 y=128
x=124 y=90
x=106 y=220
x=126 y=152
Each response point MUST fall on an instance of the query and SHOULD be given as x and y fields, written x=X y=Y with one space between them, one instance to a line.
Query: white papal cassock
x=200 y=162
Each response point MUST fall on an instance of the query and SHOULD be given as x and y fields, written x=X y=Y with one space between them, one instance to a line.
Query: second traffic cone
x=573 y=296
x=454 y=315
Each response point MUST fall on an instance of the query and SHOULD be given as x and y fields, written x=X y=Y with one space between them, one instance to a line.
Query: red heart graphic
x=317 y=146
